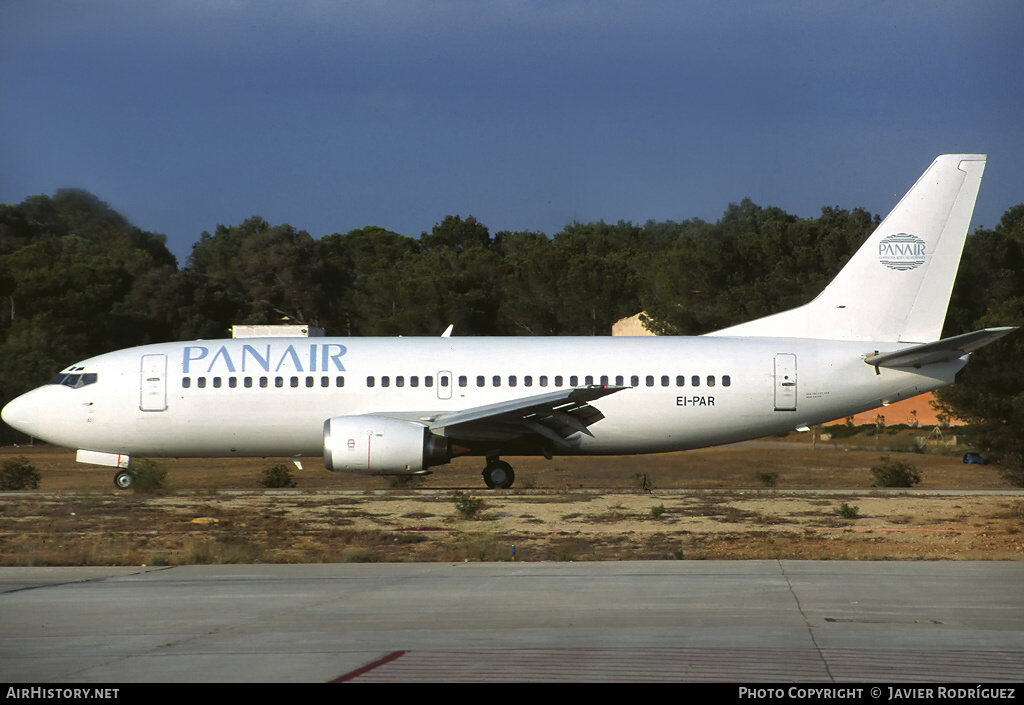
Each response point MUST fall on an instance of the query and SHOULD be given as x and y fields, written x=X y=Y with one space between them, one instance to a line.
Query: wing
x=554 y=416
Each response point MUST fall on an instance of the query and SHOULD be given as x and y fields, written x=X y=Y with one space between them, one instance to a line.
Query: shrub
x=1012 y=474
x=642 y=481
x=846 y=511
x=466 y=506
x=656 y=512
x=277 y=476
x=17 y=474
x=895 y=473
x=768 y=479
x=149 y=476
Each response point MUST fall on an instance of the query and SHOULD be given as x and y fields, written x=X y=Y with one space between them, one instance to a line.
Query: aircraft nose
x=23 y=413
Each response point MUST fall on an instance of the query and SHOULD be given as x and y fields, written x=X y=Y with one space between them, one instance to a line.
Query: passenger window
x=664 y=380
x=634 y=381
x=619 y=381
x=527 y=381
x=428 y=381
x=480 y=381
x=279 y=382
x=247 y=382
x=186 y=382
x=385 y=381
x=264 y=382
x=496 y=381
x=339 y=381
x=216 y=382
x=695 y=380
x=574 y=381
x=232 y=382
x=325 y=381
x=442 y=381
x=726 y=380
x=558 y=380
x=310 y=381
x=604 y=380
x=414 y=381
x=201 y=382
x=463 y=380
x=680 y=380
x=400 y=381
x=650 y=380
x=369 y=381
x=511 y=380
x=711 y=380
x=543 y=381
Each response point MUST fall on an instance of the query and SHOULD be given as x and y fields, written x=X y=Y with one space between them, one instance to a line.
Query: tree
x=989 y=393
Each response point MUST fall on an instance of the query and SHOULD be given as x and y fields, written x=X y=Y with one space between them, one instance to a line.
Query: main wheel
x=499 y=474
x=123 y=480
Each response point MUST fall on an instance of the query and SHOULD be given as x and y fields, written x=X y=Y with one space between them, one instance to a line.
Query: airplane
x=401 y=406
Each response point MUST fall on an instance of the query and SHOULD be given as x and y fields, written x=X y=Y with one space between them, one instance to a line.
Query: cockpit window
x=75 y=380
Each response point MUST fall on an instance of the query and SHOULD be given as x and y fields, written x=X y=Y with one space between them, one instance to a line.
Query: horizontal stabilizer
x=939 y=351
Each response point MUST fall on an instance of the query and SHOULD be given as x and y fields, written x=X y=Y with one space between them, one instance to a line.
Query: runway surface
x=737 y=621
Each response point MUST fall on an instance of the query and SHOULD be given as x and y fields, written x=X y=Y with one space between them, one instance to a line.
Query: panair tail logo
x=901 y=251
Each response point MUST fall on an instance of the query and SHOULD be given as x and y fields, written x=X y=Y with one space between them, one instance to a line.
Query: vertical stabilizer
x=896 y=287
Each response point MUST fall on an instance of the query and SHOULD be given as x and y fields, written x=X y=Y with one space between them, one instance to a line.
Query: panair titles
x=901 y=251
x=314 y=357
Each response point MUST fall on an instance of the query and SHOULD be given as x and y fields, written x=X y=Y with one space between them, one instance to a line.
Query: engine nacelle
x=378 y=445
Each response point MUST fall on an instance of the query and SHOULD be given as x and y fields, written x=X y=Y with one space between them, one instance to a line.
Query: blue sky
x=526 y=114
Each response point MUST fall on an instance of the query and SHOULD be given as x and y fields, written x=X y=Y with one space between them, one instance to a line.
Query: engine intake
x=378 y=445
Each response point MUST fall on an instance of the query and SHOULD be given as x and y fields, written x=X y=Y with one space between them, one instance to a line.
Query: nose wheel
x=123 y=480
x=498 y=474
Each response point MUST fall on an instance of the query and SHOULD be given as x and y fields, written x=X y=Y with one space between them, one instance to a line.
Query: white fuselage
x=271 y=396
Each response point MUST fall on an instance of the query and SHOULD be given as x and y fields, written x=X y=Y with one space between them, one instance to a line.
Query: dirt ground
x=701 y=504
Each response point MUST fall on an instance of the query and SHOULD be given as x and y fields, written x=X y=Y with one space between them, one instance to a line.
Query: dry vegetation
x=701 y=504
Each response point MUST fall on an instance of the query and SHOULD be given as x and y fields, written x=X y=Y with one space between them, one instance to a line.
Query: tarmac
x=644 y=621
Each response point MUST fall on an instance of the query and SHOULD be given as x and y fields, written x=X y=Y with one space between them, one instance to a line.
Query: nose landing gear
x=498 y=474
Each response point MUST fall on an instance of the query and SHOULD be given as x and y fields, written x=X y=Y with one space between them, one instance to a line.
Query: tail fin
x=896 y=287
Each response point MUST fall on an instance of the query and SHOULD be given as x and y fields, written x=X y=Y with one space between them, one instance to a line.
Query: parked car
x=973 y=458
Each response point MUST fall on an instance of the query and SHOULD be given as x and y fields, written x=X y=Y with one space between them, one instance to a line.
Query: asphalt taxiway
x=738 y=621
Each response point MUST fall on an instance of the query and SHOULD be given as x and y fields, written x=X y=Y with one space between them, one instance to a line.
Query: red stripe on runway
x=369 y=667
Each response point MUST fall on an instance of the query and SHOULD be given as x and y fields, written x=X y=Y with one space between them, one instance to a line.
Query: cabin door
x=785 y=382
x=154 y=383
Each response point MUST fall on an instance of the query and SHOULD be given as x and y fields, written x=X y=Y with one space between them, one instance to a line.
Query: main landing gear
x=123 y=479
x=498 y=474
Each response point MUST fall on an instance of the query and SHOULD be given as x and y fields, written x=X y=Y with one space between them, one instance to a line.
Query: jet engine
x=378 y=445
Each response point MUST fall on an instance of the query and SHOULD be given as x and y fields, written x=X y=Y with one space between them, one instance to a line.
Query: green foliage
x=846 y=511
x=18 y=474
x=658 y=511
x=642 y=481
x=768 y=479
x=149 y=476
x=276 y=477
x=989 y=393
x=895 y=473
x=467 y=507
x=77 y=279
